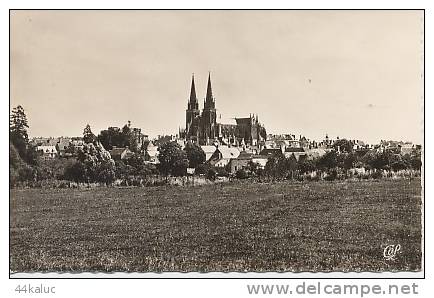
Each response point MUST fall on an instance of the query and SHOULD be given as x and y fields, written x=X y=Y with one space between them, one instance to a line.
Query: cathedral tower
x=209 y=114
x=192 y=113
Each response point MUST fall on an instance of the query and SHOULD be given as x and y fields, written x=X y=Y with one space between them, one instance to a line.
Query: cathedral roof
x=227 y=121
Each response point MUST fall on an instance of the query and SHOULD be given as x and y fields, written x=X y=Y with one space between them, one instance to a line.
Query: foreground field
x=317 y=226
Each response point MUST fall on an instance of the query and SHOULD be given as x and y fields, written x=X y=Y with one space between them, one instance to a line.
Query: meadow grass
x=238 y=226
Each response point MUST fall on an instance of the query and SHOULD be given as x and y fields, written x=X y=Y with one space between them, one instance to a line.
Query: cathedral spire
x=209 y=100
x=193 y=98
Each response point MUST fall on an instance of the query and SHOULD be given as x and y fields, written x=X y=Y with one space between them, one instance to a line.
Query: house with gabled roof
x=244 y=159
x=209 y=151
x=151 y=153
x=222 y=156
x=296 y=151
x=120 y=153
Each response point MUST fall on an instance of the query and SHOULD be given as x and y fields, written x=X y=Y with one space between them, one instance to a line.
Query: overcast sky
x=354 y=74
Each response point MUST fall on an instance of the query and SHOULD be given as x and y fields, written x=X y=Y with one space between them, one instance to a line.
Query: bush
x=332 y=175
x=222 y=172
x=75 y=172
x=196 y=156
x=399 y=165
x=173 y=160
x=202 y=169
x=377 y=175
x=211 y=174
x=26 y=173
x=242 y=174
x=13 y=177
x=105 y=172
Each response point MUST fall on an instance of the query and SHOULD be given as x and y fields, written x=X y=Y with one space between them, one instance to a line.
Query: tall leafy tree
x=173 y=160
x=195 y=154
x=124 y=137
x=19 y=138
x=18 y=126
x=88 y=136
x=343 y=145
x=328 y=160
x=94 y=164
x=305 y=165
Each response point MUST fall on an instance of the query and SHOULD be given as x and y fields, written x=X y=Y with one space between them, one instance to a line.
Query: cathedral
x=204 y=129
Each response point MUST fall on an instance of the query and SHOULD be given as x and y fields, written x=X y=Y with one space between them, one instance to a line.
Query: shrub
x=332 y=174
x=377 y=175
x=105 y=172
x=222 y=172
x=399 y=165
x=195 y=154
x=173 y=160
x=242 y=174
x=75 y=172
x=211 y=174
x=202 y=169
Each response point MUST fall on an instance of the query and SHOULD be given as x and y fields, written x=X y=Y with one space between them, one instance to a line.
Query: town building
x=223 y=155
x=244 y=159
x=47 y=151
x=118 y=153
x=151 y=153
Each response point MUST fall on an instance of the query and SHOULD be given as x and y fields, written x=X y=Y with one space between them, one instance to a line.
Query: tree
x=328 y=160
x=305 y=166
x=128 y=138
x=173 y=160
x=263 y=132
x=378 y=160
x=124 y=137
x=105 y=172
x=343 y=145
x=195 y=155
x=75 y=172
x=135 y=165
x=109 y=137
x=202 y=169
x=211 y=174
x=95 y=165
x=270 y=166
x=279 y=166
x=273 y=166
x=291 y=164
x=242 y=174
x=18 y=125
x=16 y=164
x=144 y=146
x=18 y=135
x=254 y=168
x=414 y=159
x=180 y=163
x=349 y=160
x=399 y=165
x=88 y=136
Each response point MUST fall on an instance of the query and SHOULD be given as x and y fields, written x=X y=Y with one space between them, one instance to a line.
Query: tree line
x=93 y=163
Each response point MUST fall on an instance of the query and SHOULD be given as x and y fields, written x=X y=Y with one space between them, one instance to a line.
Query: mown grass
x=316 y=226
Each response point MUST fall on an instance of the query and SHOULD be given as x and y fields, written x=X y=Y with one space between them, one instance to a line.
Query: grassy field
x=240 y=226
